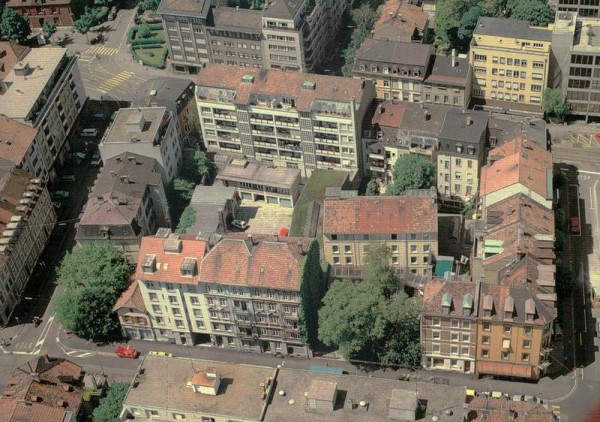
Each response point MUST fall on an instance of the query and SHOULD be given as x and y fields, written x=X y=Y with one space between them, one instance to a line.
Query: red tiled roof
x=435 y=289
x=10 y=54
x=499 y=410
x=389 y=115
x=131 y=298
x=380 y=214
x=168 y=264
x=36 y=412
x=15 y=139
x=402 y=16
x=267 y=264
x=513 y=163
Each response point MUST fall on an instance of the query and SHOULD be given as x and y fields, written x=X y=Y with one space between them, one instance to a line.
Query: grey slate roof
x=207 y=201
x=443 y=72
x=167 y=92
x=283 y=9
x=455 y=125
x=505 y=127
x=410 y=54
x=191 y=8
x=512 y=28
x=230 y=17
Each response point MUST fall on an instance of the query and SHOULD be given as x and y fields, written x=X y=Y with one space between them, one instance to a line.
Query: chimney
x=249 y=242
x=454 y=57
x=469 y=121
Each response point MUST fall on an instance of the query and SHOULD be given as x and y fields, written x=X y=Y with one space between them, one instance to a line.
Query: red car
x=575 y=227
x=126 y=352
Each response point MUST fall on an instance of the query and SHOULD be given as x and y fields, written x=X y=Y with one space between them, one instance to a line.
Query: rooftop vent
x=206 y=382
x=135 y=123
x=309 y=85
x=173 y=244
x=248 y=79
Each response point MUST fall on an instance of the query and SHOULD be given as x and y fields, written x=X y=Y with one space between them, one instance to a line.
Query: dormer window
x=386 y=70
x=488 y=305
x=363 y=67
x=446 y=303
x=149 y=264
x=529 y=309
x=467 y=305
x=509 y=307
x=189 y=268
x=373 y=68
x=459 y=149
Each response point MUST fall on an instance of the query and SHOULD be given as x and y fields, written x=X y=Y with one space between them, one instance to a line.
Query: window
x=454 y=336
x=485 y=339
x=179 y=323
x=504 y=355
x=485 y=353
x=413 y=248
x=335 y=249
x=454 y=350
x=454 y=323
x=528 y=330
x=178 y=416
x=153 y=297
x=199 y=324
x=487 y=326
x=347 y=249
x=435 y=322
x=466 y=324
x=465 y=338
x=225 y=315
x=156 y=309
x=480 y=57
x=160 y=320
x=525 y=357
x=435 y=335
x=348 y=260
x=172 y=299
x=465 y=351
x=507 y=328
x=435 y=348
x=194 y=300
x=213 y=314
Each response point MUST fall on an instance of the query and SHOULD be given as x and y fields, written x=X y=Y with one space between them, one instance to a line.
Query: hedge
x=147 y=41
x=157 y=45
x=133 y=31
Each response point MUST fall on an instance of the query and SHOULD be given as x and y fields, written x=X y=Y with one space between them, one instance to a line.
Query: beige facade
x=28 y=219
x=449 y=343
x=510 y=61
x=283 y=119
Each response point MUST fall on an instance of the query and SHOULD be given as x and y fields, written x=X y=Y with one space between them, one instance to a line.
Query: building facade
x=287 y=35
x=133 y=316
x=510 y=61
x=461 y=155
x=449 y=326
x=56 y=11
x=584 y=8
x=45 y=91
x=147 y=131
x=240 y=294
x=405 y=224
x=27 y=221
x=283 y=119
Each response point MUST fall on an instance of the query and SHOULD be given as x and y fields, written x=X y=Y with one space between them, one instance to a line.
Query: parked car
x=80 y=155
x=575 y=226
x=61 y=194
x=126 y=352
x=239 y=224
x=89 y=132
x=56 y=204
x=164 y=354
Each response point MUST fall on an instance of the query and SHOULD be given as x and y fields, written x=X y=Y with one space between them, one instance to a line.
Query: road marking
x=101 y=50
x=589 y=172
x=115 y=81
x=43 y=335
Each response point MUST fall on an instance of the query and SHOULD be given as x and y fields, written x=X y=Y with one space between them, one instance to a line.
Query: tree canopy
x=411 y=171
x=364 y=18
x=49 y=29
x=149 y=5
x=372 y=319
x=85 y=22
x=184 y=188
x=553 y=102
x=537 y=12
x=14 y=27
x=93 y=276
x=372 y=188
x=186 y=220
x=111 y=405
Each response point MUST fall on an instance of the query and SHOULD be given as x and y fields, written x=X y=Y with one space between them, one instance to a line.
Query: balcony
x=377 y=169
x=282 y=121
x=375 y=156
x=330 y=141
x=321 y=149
x=266 y=143
x=229 y=146
x=328 y=129
x=290 y=156
x=261 y=119
x=223 y=116
x=295 y=146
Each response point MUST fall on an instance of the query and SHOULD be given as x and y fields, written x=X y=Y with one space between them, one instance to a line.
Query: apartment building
x=514 y=332
x=449 y=81
x=133 y=316
x=258 y=182
x=402 y=20
x=44 y=90
x=22 y=145
x=510 y=62
x=584 y=8
x=240 y=293
x=127 y=202
x=287 y=35
x=576 y=64
x=56 y=11
x=449 y=325
x=148 y=131
x=177 y=95
x=461 y=155
x=392 y=129
x=283 y=119
x=10 y=54
x=406 y=224
x=26 y=220
x=518 y=166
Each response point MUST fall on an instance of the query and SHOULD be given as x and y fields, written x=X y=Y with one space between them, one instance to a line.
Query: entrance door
x=183 y=340
x=467 y=366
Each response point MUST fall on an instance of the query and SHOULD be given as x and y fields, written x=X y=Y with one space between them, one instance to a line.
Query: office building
x=284 y=119
x=584 y=8
x=287 y=35
x=148 y=131
x=406 y=224
x=26 y=221
x=44 y=90
x=510 y=61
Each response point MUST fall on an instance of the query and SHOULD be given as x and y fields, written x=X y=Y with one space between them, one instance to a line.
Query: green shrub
x=131 y=34
x=136 y=47
x=148 y=41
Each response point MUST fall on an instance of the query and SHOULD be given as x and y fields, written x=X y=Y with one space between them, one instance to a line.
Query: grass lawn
x=152 y=55
x=314 y=191
x=155 y=33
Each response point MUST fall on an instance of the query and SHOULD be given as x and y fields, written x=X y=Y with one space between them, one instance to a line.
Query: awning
x=506 y=369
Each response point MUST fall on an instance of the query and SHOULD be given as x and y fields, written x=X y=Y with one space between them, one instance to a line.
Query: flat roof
x=378 y=393
x=24 y=91
x=123 y=129
x=244 y=171
x=583 y=40
x=512 y=28
x=164 y=381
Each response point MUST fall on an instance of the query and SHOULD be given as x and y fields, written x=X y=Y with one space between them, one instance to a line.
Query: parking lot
x=263 y=218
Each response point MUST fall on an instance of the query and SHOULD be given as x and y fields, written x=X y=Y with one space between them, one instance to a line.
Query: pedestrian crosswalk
x=115 y=81
x=101 y=50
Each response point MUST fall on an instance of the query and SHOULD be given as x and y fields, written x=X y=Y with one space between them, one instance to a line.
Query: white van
x=89 y=132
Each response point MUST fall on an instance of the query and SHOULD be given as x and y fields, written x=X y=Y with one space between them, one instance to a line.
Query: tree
x=111 y=405
x=411 y=172
x=84 y=23
x=560 y=219
x=553 y=102
x=536 y=12
x=93 y=277
x=377 y=270
x=149 y=5
x=372 y=188
x=186 y=220
x=14 y=27
x=49 y=29
x=144 y=30
x=312 y=287
x=448 y=14
x=184 y=188
x=467 y=24
x=197 y=166
x=364 y=19
x=566 y=280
